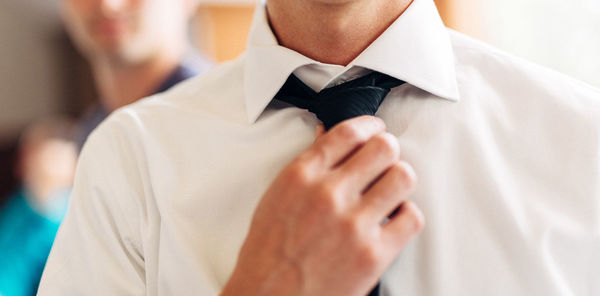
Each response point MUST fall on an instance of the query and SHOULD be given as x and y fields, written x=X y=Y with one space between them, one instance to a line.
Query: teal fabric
x=26 y=236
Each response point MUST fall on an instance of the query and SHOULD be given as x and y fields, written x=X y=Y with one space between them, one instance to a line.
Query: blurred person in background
x=30 y=219
x=135 y=49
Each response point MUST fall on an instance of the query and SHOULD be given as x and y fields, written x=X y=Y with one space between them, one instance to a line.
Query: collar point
x=454 y=95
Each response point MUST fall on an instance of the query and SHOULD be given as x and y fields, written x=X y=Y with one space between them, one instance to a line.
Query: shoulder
x=526 y=108
x=214 y=95
x=512 y=80
x=196 y=106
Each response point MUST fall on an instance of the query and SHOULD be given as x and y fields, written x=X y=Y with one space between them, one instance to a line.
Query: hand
x=318 y=229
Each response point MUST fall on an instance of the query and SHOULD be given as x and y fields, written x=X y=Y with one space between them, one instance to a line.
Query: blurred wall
x=30 y=46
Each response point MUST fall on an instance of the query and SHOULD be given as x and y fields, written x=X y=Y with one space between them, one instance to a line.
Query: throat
x=332 y=33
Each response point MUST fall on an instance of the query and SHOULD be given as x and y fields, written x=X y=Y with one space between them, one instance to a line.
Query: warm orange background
x=221 y=30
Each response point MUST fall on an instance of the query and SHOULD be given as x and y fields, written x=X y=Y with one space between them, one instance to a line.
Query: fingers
x=403 y=226
x=344 y=138
x=389 y=191
x=370 y=162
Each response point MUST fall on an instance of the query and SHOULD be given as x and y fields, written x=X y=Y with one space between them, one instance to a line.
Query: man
x=135 y=49
x=221 y=186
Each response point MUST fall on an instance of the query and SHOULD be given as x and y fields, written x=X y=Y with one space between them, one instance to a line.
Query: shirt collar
x=416 y=48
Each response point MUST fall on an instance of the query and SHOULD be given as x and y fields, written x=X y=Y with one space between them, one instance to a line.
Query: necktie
x=361 y=96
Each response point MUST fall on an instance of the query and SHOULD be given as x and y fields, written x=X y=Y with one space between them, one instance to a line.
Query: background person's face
x=125 y=30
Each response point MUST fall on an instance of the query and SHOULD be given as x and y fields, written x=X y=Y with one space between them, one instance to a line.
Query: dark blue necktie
x=361 y=96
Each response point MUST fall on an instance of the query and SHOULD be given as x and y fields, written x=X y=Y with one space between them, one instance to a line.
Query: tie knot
x=361 y=96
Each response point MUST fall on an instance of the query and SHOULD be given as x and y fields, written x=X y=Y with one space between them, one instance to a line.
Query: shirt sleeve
x=97 y=250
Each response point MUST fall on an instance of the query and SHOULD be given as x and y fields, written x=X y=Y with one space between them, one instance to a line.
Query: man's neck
x=120 y=83
x=333 y=32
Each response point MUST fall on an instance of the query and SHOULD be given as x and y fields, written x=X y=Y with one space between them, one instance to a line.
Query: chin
x=330 y=2
x=114 y=49
x=114 y=53
x=127 y=55
x=109 y=49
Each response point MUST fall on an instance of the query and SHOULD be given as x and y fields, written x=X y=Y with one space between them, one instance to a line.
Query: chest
x=482 y=197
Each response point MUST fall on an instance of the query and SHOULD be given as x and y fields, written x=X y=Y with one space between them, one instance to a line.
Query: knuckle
x=405 y=174
x=348 y=131
x=317 y=153
x=386 y=145
x=415 y=215
x=297 y=173
x=368 y=256
x=327 y=196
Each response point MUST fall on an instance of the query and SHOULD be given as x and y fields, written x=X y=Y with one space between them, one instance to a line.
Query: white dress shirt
x=507 y=154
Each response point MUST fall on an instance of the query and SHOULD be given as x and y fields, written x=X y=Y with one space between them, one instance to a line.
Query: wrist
x=257 y=280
